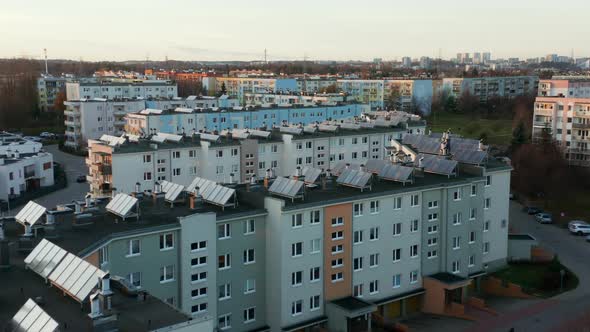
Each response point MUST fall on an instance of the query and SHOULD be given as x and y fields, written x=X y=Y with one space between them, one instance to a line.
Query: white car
x=579 y=229
x=576 y=222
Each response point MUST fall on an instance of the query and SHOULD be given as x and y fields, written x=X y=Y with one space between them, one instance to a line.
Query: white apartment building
x=24 y=166
x=192 y=102
x=414 y=94
x=489 y=87
x=365 y=91
x=237 y=87
x=120 y=89
x=48 y=87
x=91 y=118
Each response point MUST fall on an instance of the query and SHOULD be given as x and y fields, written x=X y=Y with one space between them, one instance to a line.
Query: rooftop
x=524 y=237
x=447 y=278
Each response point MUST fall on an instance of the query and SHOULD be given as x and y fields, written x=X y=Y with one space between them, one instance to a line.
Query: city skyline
x=240 y=31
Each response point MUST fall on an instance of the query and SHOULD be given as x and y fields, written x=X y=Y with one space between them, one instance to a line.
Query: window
x=219 y=153
x=147 y=176
x=397 y=229
x=357 y=264
x=250 y=286
x=486 y=226
x=374 y=260
x=224 y=261
x=315 y=246
x=357 y=237
x=374 y=207
x=455 y=266
x=397 y=281
x=249 y=227
x=175 y=154
x=472 y=213
x=337 y=262
x=358 y=209
x=192 y=153
x=457 y=194
x=224 y=292
x=374 y=233
x=471 y=261
x=197 y=246
x=414 y=277
x=357 y=290
x=314 y=303
x=166 y=241
x=456 y=242
x=432 y=229
x=488 y=203
x=471 y=237
x=223 y=231
x=147 y=158
x=457 y=218
x=297 y=278
x=199 y=308
x=432 y=241
x=414 y=225
x=397 y=255
x=336 y=277
x=199 y=261
x=134 y=279
x=414 y=200
x=297 y=249
x=488 y=180
x=167 y=273
x=199 y=292
x=249 y=315
x=224 y=322
x=337 y=235
x=504 y=222
x=103 y=255
x=176 y=171
x=337 y=249
x=249 y=256
x=414 y=251
x=432 y=216
x=374 y=287
x=431 y=254
x=296 y=308
x=314 y=274
x=339 y=221
x=134 y=247
x=397 y=203
x=297 y=220
x=432 y=204
x=473 y=190
x=219 y=170
x=314 y=217
x=486 y=247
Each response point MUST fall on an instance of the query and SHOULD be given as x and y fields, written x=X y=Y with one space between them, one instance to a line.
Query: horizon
x=236 y=31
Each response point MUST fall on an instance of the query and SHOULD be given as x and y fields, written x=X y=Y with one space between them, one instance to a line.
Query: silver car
x=544 y=218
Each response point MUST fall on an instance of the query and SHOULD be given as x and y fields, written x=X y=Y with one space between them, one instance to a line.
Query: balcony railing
x=581 y=125
x=542 y=124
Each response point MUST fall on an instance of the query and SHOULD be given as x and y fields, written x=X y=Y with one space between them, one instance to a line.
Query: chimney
x=95 y=309
x=231 y=178
x=297 y=173
x=88 y=200
x=253 y=180
x=323 y=180
x=137 y=187
x=265 y=182
x=362 y=168
x=16 y=154
x=78 y=208
x=113 y=192
x=480 y=145
x=421 y=163
x=49 y=219
x=28 y=230
x=347 y=166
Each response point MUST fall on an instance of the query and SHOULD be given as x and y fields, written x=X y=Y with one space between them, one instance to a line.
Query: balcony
x=581 y=125
x=542 y=124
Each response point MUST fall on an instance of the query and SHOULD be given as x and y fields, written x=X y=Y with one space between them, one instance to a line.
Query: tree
x=393 y=99
x=223 y=88
x=519 y=136
x=332 y=88
x=450 y=104
x=468 y=103
x=58 y=104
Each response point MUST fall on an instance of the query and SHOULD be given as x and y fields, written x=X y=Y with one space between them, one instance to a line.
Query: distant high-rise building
x=476 y=57
x=425 y=62
x=406 y=62
x=551 y=58
x=486 y=57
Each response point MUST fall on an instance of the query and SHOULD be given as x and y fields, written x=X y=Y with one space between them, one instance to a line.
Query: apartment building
x=91 y=118
x=413 y=94
x=192 y=102
x=118 y=163
x=562 y=111
x=237 y=87
x=48 y=87
x=24 y=166
x=189 y=120
x=489 y=87
x=365 y=91
x=121 y=89
x=314 y=84
x=266 y=99
x=389 y=237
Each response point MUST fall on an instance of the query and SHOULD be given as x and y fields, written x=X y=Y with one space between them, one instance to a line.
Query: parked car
x=576 y=222
x=123 y=285
x=81 y=178
x=46 y=134
x=544 y=218
x=33 y=138
x=579 y=229
x=532 y=210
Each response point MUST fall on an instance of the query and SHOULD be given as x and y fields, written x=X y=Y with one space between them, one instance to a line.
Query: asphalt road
x=74 y=166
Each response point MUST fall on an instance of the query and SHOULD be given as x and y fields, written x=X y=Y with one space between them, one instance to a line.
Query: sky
x=207 y=30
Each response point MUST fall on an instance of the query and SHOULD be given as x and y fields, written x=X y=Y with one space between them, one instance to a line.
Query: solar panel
x=291 y=130
x=30 y=317
x=310 y=129
x=201 y=183
x=132 y=138
x=367 y=125
x=121 y=204
x=396 y=173
x=30 y=214
x=310 y=174
x=286 y=187
x=158 y=139
x=240 y=134
x=209 y=137
x=437 y=165
x=151 y=111
x=260 y=133
x=354 y=178
x=191 y=98
x=183 y=110
x=170 y=137
x=341 y=166
x=76 y=276
x=327 y=128
x=350 y=125
x=44 y=258
x=474 y=157
x=376 y=165
x=218 y=194
x=172 y=190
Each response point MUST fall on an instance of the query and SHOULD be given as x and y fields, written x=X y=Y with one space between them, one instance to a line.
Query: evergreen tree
x=519 y=135
x=450 y=104
x=223 y=88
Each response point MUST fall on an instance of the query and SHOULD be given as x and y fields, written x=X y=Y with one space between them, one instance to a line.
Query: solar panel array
x=291 y=130
x=151 y=111
x=423 y=144
x=341 y=166
x=367 y=125
x=310 y=129
x=354 y=178
x=76 y=276
x=437 y=165
x=310 y=174
x=44 y=258
x=158 y=139
x=474 y=157
x=209 y=137
x=395 y=172
x=30 y=317
x=183 y=110
x=260 y=133
x=172 y=190
x=240 y=133
x=121 y=204
x=217 y=194
x=327 y=128
x=30 y=214
x=112 y=140
x=201 y=183
x=286 y=187
x=170 y=137
x=350 y=125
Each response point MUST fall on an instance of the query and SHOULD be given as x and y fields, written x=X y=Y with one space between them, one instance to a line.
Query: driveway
x=74 y=166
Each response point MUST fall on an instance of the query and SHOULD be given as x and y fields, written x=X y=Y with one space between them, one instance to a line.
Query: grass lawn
x=531 y=278
x=470 y=126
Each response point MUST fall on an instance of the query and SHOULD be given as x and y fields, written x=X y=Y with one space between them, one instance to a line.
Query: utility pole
x=265 y=61
x=304 y=73
x=46 y=68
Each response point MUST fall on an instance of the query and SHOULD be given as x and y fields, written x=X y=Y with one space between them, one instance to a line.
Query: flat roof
x=527 y=237
x=447 y=278
x=352 y=303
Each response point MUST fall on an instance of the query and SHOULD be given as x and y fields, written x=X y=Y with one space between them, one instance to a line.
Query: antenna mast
x=46 y=68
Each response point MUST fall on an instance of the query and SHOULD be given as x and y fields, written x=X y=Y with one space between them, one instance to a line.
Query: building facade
x=412 y=95
x=489 y=87
x=121 y=89
x=48 y=87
